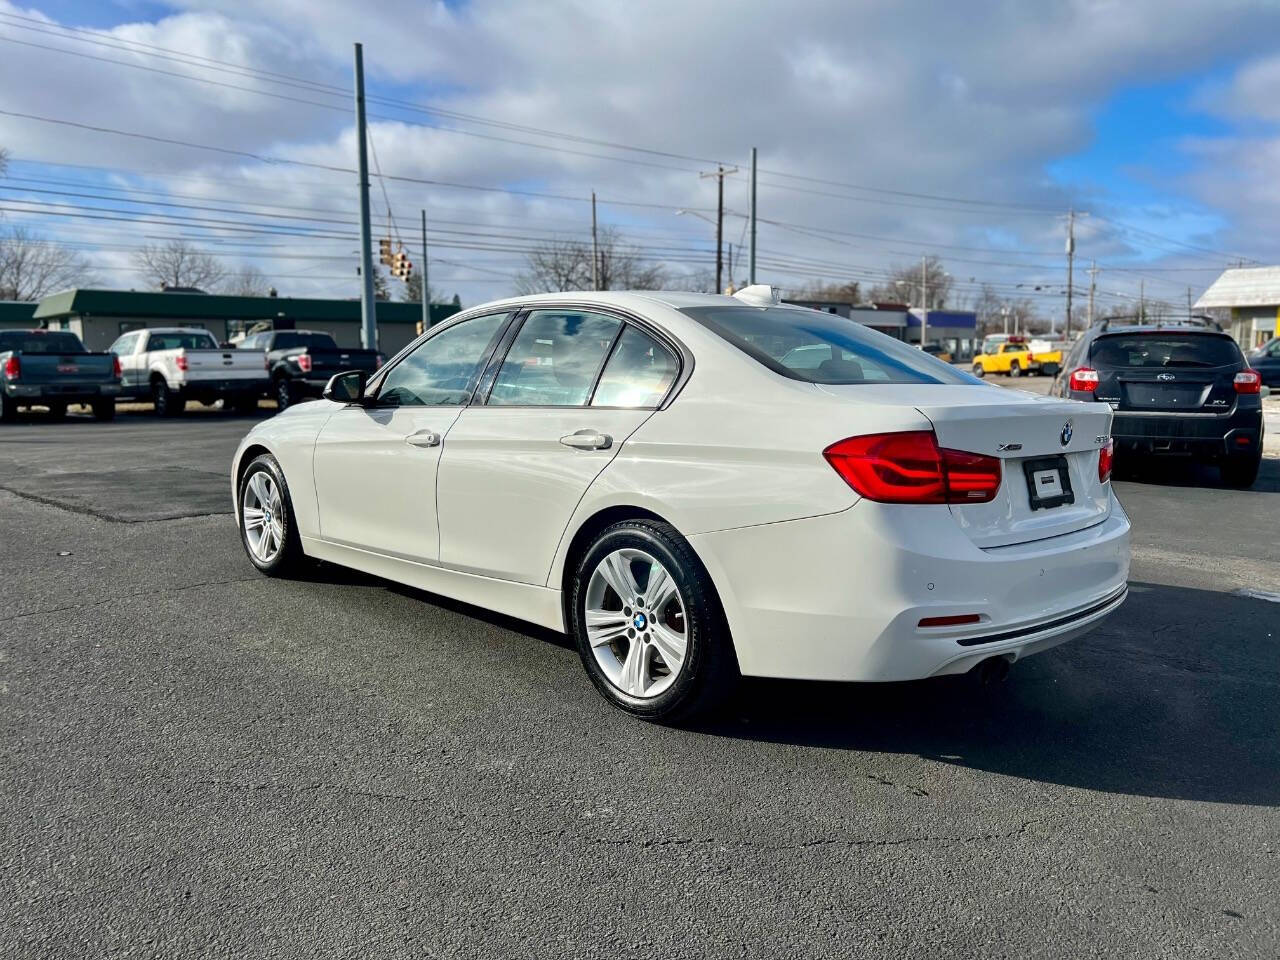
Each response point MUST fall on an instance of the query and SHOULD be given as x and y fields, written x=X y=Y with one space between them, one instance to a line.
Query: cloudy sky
x=885 y=130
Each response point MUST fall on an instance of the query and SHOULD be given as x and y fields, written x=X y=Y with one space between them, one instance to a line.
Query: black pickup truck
x=300 y=362
x=51 y=368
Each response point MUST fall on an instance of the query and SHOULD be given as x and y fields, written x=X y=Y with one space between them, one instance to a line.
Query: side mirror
x=346 y=387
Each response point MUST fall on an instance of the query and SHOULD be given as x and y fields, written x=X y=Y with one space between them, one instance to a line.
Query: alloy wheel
x=262 y=513
x=636 y=624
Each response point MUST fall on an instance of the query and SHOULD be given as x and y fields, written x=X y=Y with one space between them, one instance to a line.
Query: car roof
x=634 y=299
x=1160 y=328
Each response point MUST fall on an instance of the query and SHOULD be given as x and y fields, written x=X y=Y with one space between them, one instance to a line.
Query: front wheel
x=268 y=530
x=169 y=403
x=1240 y=472
x=284 y=394
x=648 y=623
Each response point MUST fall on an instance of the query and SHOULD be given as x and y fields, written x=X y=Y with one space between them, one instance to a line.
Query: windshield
x=28 y=341
x=822 y=347
x=312 y=341
x=1165 y=350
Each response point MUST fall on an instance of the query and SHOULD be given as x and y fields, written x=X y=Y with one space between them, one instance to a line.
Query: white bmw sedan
x=696 y=487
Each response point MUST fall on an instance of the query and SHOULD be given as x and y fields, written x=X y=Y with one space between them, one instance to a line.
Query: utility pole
x=1071 y=256
x=924 y=300
x=719 y=174
x=368 y=315
x=751 y=260
x=1093 y=285
x=1188 y=303
x=595 y=247
x=729 y=288
x=1142 y=300
x=426 y=297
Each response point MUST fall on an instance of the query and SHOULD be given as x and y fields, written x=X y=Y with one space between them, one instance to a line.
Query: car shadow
x=1177 y=696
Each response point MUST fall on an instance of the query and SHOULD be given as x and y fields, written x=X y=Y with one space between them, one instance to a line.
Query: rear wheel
x=1015 y=370
x=268 y=530
x=648 y=623
x=169 y=403
x=979 y=370
x=1240 y=472
x=104 y=409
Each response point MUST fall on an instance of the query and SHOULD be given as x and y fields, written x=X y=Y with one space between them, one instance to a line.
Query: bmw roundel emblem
x=639 y=622
x=1065 y=436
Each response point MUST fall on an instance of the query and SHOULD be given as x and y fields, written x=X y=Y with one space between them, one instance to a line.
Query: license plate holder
x=1048 y=482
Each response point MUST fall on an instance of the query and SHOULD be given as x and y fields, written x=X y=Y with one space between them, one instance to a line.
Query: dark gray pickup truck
x=300 y=362
x=51 y=368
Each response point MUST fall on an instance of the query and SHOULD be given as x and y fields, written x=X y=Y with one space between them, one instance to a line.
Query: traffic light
x=384 y=247
x=401 y=268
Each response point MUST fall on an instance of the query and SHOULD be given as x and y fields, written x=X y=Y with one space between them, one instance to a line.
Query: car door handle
x=423 y=438
x=588 y=440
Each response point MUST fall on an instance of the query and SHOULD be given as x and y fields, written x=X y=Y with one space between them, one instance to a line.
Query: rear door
x=1166 y=372
x=574 y=385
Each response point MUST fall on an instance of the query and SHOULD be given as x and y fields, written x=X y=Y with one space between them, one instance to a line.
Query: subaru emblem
x=1164 y=376
x=1065 y=436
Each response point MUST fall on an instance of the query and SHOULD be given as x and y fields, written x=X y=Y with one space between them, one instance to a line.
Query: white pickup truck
x=171 y=365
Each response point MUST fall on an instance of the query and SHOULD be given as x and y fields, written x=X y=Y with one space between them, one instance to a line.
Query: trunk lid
x=222 y=364
x=1032 y=436
x=68 y=370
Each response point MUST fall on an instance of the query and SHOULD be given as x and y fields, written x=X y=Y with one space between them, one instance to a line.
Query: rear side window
x=555 y=359
x=639 y=372
x=27 y=342
x=1165 y=350
x=823 y=348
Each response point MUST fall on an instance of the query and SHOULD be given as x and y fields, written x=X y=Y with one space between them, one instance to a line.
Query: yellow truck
x=1016 y=357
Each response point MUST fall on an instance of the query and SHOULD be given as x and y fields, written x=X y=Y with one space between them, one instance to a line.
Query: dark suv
x=1176 y=389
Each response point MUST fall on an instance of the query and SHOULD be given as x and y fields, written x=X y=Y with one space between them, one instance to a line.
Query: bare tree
x=248 y=281
x=412 y=292
x=32 y=267
x=176 y=263
x=848 y=292
x=566 y=265
x=903 y=285
x=4 y=161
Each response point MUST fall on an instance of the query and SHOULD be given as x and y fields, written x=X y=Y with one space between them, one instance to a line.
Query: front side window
x=1165 y=350
x=821 y=348
x=639 y=373
x=554 y=360
x=443 y=370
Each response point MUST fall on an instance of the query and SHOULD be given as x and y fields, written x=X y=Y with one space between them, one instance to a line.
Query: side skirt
x=524 y=601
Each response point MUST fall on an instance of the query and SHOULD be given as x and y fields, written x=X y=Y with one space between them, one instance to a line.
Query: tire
x=979 y=370
x=57 y=411
x=104 y=410
x=244 y=405
x=284 y=394
x=282 y=556
x=1015 y=370
x=169 y=403
x=706 y=672
x=8 y=409
x=1240 y=472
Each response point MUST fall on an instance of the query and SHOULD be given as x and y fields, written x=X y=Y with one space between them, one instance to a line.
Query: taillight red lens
x=181 y=362
x=1106 y=459
x=1248 y=381
x=910 y=468
x=12 y=368
x=1083 y=378
x=117 y=371
x=304 y=362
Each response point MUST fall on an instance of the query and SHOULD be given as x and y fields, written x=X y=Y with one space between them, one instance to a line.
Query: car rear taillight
x=1083 y=378
x=181 y=362
x=1248 y=381
x=304 y=362
x=117 y=371
x=910 y=467
x=1106 y=459
x=12 y=369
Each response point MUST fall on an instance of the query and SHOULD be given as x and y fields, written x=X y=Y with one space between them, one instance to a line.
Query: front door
x=516 y=466
x=375 y=463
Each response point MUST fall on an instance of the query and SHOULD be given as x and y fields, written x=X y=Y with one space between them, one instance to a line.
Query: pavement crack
x=85 y=511
x=122 y=597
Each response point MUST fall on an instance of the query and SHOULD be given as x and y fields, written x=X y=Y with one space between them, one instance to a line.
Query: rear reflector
x=1084 y=379
x=954 y=621
x=1106 y=459
x=1248 y=381
x=910 y=468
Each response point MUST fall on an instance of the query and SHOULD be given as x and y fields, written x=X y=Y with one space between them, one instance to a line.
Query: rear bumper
x=841 y=597
x=1201 y=436
x=61 y=393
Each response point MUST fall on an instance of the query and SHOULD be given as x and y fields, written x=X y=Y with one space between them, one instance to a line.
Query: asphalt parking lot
x=200 y=761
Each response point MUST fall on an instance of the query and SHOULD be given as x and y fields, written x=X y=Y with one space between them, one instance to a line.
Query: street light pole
x=924 y=300
x=368 y=315
x=751 y=260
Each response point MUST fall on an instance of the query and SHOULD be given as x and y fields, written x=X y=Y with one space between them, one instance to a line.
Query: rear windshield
x=1164 y=350
x=822 y=347
x=25 y=341
x=196 y=340
x=312 y=341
